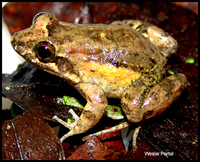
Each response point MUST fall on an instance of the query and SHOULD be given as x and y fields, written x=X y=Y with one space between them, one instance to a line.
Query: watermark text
x=162 y=153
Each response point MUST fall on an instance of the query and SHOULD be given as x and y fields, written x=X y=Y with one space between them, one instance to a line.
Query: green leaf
x=71 y=101
x=170 y=72
x=7 y=88
x=15 y=110
x=190 y=61
x=69 y=121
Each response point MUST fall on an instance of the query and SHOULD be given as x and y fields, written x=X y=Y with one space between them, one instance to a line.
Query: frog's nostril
x=19 y=43
x=15 y=43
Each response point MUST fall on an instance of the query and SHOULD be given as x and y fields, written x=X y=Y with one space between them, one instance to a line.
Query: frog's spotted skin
x=98 y=60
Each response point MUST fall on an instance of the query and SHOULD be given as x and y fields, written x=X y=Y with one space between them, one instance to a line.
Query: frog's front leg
x=93 y=110
x=140 y=104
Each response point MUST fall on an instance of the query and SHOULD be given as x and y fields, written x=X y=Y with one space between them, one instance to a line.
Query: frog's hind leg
x=92 y=112
x=140 y=102
x=109 y=130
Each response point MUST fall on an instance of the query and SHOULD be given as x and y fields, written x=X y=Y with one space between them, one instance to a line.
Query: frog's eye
x=45 y=51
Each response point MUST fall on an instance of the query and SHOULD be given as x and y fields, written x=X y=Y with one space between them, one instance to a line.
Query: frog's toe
x=69 y=126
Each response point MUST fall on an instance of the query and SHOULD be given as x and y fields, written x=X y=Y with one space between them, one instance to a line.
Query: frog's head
x=39 y=45
x=34 y=41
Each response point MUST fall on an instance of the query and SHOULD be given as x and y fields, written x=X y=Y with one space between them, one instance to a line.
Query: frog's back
x=116 y=44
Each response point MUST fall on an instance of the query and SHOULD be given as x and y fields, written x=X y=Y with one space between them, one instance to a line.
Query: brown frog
x=105 y=61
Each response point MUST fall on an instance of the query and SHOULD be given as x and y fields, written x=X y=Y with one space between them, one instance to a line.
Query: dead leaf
x=93 y=149
x=29 y=137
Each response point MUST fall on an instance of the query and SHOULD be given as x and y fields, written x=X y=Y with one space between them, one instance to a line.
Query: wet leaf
x=93 y=149
x=30 y=87
x=29 y=137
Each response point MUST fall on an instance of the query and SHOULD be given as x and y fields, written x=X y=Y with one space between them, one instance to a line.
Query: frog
x=125 y=60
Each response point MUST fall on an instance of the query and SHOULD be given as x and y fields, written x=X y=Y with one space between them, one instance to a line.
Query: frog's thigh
x=166 y=43
x=163 y=95
x=160 y=97
x=94 y=109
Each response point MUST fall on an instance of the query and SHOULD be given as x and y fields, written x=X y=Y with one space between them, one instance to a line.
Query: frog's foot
x=68 y=125
x=166 y=43
x=92 y=112
x=139 y=104
x=109 y=130
x=116 y=128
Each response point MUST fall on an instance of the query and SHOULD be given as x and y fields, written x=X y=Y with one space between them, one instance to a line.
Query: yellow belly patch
x=111 y=72
x=107 y=74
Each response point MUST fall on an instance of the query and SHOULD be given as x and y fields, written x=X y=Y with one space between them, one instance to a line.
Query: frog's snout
x=16 y=43
x=13 y=41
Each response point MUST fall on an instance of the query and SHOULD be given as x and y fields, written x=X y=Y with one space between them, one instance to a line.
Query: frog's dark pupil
x=43 y=52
